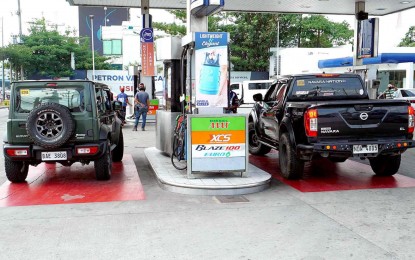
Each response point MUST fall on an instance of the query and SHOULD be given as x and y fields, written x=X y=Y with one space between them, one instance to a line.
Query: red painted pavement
x=323 y=175
x=57 y=184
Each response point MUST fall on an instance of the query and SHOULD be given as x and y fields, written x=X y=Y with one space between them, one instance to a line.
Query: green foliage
x=16 y=55
x=173 y=29
x=318 y=32
x=249 y=45
x=47 y=53
x=253 y=34
x=409 y=39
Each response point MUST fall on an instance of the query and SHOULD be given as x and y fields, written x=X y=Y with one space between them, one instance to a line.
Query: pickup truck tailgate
x=363 y=119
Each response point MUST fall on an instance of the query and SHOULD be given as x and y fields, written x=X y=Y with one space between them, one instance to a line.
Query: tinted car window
x=407 y=93
x=262 y=85
x=29 y=98
x=320 y=88
x=281 y=93
x=234 y=86
x=270 y=92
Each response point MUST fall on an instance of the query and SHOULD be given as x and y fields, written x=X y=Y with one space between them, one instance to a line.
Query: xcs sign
x=220 y=138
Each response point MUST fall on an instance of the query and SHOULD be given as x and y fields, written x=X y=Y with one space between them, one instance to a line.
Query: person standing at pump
x=142 y=101
x=233 y=102
x=123 y=98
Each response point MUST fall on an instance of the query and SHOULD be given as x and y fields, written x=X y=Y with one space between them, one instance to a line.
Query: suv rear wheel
x=50 y=125
x=103 y=165
x=118 y=151
x=16 y=171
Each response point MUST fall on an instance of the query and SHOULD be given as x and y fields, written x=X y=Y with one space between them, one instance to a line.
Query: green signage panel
x=218 y=123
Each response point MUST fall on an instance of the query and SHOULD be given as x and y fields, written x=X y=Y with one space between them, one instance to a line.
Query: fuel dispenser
x=170 y=51
x=196 y=69
x=216 y=142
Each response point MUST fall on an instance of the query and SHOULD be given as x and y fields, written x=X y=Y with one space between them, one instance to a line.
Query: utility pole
x=92 y=46
x=278 y=46
x=105 y=16
x=3 y=83
x=19 y=13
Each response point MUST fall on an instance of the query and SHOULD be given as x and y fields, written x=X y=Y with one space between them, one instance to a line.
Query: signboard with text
x=211 y=69
x=147 y=52
x=115 y=79
x=218 y=143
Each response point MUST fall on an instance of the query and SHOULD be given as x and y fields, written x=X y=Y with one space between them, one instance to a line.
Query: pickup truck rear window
x=326 y=88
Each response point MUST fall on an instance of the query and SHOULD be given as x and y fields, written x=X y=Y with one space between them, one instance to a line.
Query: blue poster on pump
x=210 y=39
x=211 y=64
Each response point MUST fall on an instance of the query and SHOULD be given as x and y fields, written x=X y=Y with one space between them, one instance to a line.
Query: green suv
x=62 y=121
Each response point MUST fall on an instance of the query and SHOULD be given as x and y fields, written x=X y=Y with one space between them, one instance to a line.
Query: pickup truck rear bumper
x=346 y=149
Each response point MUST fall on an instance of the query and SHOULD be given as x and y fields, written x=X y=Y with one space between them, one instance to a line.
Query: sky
x=58 y=12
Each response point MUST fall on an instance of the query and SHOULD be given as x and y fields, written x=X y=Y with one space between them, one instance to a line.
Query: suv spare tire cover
x=50 y=125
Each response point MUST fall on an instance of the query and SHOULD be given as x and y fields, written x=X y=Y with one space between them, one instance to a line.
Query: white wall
x=305 y=60
x=130 y=36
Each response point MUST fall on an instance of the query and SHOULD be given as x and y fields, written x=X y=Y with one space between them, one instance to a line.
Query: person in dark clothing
x=233 y=103
x=123 y=98
x=142 y=102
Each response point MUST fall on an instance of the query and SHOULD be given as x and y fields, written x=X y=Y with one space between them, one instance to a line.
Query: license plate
x=368 y=148
x=54 y=156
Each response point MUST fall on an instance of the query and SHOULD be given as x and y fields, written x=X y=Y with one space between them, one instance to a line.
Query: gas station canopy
x=341 y=7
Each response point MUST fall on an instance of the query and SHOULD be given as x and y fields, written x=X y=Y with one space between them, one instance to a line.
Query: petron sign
x=147 y=52
x=115 y=79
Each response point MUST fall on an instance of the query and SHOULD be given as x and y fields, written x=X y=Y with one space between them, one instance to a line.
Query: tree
x=173 y=29
x=47 y=53
x=17 y=57
x=253 y=34
x=409 y=39
x=318 y=32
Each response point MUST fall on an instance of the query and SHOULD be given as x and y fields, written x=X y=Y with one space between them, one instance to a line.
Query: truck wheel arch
x=287 y=128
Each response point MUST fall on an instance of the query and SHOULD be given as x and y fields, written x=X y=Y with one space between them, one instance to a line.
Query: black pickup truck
x=306 y=117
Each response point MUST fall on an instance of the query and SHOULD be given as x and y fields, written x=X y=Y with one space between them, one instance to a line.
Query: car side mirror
x=117 y=105
x=257 y=97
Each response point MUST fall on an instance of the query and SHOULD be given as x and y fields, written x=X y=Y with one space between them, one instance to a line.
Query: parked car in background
x=245 y=91
x=405 y=94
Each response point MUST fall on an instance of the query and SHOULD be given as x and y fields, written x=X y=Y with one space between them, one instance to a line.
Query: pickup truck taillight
x=310 y=122
x=411 y=119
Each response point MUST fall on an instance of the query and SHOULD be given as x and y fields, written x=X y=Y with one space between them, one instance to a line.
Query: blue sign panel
x=366 y=30
x=146 y=35
x=210 y=39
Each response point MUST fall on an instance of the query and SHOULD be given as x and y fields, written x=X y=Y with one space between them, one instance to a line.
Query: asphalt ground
x=278 y=223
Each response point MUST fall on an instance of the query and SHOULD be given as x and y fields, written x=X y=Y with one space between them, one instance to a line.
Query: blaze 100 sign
x=221 y=140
